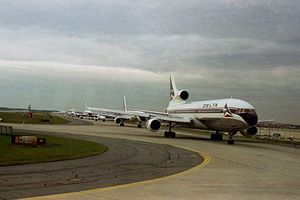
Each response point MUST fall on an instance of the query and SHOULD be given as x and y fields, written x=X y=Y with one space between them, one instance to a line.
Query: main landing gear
x=231 y=142
x=216 y=136
x=169 y=133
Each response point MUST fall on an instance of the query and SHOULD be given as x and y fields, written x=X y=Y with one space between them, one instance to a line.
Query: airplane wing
x=265 y=120
x=149 y=111
x=165 y=117
x=161 y=116
x=118 y=113
x=169 y=118
x=106 y=112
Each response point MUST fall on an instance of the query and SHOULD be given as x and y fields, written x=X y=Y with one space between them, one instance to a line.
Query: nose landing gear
x=219 y=137
x=169 y=133
x=216 y=136
x=230 y=140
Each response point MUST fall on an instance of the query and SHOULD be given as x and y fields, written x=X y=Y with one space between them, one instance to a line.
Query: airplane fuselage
x=210 y=114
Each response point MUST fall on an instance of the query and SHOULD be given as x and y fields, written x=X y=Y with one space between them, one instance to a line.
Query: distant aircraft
x=73 y=113
x=121 y=116
x=227 y=115
x=92 y=115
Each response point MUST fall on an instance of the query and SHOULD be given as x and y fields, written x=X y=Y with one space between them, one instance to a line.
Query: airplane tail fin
x=85 y=106
x=176 y=96
x=124 y=103
x=173 y=89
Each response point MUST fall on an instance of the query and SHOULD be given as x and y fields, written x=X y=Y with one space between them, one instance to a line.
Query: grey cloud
x=150 y=52
x=252 y=19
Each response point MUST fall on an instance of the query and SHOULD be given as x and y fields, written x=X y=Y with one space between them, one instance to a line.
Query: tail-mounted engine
x=153 y=124
x=183 y=94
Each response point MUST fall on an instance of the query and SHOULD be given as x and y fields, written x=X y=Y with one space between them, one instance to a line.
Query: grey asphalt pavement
x=126 y=161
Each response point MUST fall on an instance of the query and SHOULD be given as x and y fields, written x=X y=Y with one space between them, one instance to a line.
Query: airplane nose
x=250 y=118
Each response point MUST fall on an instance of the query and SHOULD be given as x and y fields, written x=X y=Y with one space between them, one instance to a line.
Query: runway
x=246 y=170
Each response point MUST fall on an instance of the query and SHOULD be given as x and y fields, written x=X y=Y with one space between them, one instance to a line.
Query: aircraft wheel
x=231 y=142
x=172 y=135
x=219 y=137
x=213 y=136
x=122 y=124
x=167 y=134
x=139 y=125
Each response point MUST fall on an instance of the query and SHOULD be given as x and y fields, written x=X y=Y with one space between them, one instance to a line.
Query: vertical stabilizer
x=173 y=89
x=85 y=106
x=124 y=103
x=176 y=96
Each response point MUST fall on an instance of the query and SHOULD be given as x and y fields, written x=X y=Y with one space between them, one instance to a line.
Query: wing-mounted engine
x=183 y=94
x=250 y=131
x=153 y=124
x=118 y=120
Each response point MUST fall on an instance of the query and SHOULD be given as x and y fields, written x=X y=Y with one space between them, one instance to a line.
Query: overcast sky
x=57 y=54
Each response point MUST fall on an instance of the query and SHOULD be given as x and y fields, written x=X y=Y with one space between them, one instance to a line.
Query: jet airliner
x=121 y=116
x=220 y=115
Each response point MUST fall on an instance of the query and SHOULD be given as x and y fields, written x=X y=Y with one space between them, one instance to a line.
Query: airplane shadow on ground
x=250 y=143
x=239 y=140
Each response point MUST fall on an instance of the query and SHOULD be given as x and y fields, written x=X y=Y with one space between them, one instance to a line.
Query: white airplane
x=227 y=115
x=92 y=115
x=73 y=113
x=121 y=116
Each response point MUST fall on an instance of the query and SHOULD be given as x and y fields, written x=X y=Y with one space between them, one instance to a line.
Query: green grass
x=56 y=148
x=38 y=118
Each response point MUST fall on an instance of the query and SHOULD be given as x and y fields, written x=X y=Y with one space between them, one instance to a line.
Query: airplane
x=92 y=115
x=220 y=115
x=73 y=113
x=121 y=116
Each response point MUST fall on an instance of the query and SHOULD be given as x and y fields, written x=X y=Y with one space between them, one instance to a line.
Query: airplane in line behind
x=120 y=116
x=220 y=115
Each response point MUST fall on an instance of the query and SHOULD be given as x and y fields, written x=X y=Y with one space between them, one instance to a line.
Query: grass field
x=38 y=118
x=56 y=148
